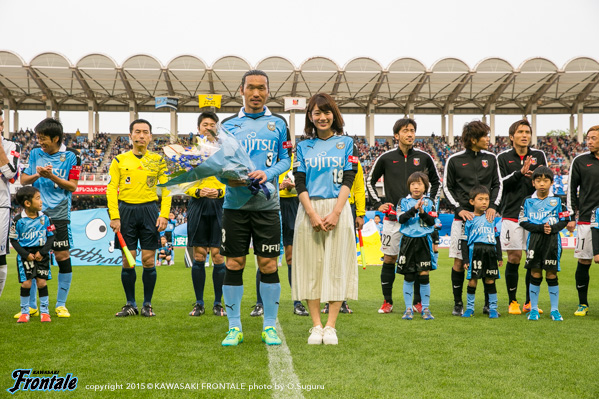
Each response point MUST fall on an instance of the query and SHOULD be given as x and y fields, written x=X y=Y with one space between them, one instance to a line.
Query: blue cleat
x=493 y=314
x=556 y=316
x=234 y=337
x=408 y=315
x=468 y=313
x=426 y=314
x=270 y=337
x=533 y=315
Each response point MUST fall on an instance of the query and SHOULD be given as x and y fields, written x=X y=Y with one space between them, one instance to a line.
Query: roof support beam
x=585 y=93
x=296 y=75
x=6 y=94
x=169 y=84
x=88 y=91
x=42 y=86
x=127 y=85
x=456 y=92
x=539 y=93
x=376 y=89
x=498 y=92
x=336 y=85
x=417 y=89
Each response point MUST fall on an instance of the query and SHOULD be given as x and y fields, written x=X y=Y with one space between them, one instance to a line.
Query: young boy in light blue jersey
x=416 y=215
x=481 y=252
x=544 y=216
x=32 y=236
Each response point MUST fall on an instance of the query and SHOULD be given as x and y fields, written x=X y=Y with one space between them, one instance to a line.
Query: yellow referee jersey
x=285 y=193
x=209 y=182
x=133 y=180
x=357 y=194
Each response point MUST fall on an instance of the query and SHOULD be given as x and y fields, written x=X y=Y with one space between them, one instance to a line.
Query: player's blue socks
x=232 y=294
x=44 y=301
x=425 y=294
x=65 y=275
x=198 y=278
x=270 y=287
x=64 y=285
x=258 y=295
x=33 y=295
x=470 y=295
x=493 y=301
x=128 y=277
x=149 y=279
x=408 y=293
x=218 y=276
x=535 y=287
x=25 y=300
x=553 y=287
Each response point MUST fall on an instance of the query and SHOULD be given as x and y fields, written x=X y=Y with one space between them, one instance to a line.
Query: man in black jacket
x=396 y=166
x=583 y=186
x=516 y=166
x=466 y=169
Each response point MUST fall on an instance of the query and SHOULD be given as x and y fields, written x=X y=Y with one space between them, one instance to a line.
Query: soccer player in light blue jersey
x=416 y=215
x=256 y=218
x=32 y=236
x=544 y=216
x=481 y=251
x=54 y=170
x=324 y=249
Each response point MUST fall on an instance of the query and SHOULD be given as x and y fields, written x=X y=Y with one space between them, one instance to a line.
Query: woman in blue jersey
x=324 y=252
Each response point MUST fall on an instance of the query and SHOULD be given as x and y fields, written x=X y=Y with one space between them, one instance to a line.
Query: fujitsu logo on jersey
x=484 y=230
x=31 y=235
x=252 y=144
x=540 y=214
x=320 y=162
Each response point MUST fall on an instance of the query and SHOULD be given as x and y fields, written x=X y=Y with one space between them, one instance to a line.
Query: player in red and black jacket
x=516 y=166
x=583 y=186
x=466 y=169
x=396 y=166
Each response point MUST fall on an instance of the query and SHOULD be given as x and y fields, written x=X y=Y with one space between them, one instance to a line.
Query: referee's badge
x=485 y=163
x=533 y=161
x=340 y=146
x=151 y=181
x=416 y=161
x=63 y=157
x=271 y=126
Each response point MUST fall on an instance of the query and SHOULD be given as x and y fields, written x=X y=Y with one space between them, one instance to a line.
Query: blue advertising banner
x=169 y=102
x=93 y=240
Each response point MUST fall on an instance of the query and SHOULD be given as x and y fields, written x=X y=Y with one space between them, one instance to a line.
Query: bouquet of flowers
x=224 y=159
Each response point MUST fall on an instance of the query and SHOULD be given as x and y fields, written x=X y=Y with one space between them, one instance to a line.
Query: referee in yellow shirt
x=133 y=209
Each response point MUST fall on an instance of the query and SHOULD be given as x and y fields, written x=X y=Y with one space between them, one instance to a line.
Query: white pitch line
x=280 y=366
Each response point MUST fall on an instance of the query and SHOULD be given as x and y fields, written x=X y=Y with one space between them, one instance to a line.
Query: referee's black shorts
x=289 y=207
x=138 y=224
x=204 y=222
x=240 y=227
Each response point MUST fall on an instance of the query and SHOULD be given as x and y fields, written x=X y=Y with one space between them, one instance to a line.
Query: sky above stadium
x=384 y=30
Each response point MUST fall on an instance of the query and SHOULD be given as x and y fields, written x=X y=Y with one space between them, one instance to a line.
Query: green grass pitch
x=378 y=356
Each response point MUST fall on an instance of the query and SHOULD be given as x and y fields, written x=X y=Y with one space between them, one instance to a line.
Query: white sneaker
x=329 y=337
x=315 y=337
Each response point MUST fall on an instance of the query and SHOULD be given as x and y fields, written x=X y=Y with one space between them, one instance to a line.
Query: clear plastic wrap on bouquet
x=224 y=159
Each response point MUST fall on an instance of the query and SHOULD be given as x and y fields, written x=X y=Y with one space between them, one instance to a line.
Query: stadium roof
x=97 y=81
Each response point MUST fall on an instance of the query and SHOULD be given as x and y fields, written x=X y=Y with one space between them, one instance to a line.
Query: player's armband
x=74 y=173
